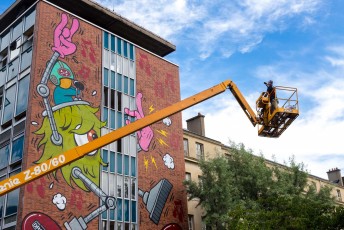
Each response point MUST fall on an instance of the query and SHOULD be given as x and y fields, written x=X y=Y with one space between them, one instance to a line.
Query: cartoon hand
x=63 y=37
x=144 y=135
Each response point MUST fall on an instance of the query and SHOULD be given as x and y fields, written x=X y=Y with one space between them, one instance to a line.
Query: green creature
x=78 y=125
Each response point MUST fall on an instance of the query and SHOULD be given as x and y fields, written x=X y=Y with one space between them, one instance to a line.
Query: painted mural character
x=71 y=122
x=63 y=78
x=78 y=125
x=146 y=134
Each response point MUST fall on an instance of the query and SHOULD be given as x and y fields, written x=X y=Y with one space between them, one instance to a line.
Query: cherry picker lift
x=270 y=124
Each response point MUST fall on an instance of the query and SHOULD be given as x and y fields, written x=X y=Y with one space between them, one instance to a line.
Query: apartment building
x=70 y=72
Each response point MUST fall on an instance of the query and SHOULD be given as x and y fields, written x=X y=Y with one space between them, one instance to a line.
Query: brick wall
x=85 y=62
x=158 y=81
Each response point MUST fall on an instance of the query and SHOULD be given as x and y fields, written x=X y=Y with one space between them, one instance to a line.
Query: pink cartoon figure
x=144 y=135
x=63 y=37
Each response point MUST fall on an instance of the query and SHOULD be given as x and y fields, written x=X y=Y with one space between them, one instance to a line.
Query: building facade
x=197 y=146
x=72 y=71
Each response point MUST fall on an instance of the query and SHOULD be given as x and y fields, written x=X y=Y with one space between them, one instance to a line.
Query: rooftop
x=101 y=16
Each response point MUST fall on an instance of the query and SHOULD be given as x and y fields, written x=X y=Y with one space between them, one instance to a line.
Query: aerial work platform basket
x=276 y=116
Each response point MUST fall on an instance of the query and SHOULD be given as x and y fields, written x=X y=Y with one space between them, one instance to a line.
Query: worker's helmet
x=59 y=71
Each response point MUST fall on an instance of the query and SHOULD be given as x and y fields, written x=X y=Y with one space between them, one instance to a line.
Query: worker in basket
x=271 y=93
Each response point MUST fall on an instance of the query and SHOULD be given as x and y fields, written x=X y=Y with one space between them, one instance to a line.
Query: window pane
x=126 y=187
x=15 y=48
x=106 y=77
x=106 y=40
x=3 y=76
x=119 y=46
x=133 y=189
x=9 y=103
x=186 y=147
x=132 y=87
x=105 y=116
x=133 y=211
x=131 y=47
x=17 y=149
x=119 y=101
x=23 y=93
x=17 y=30
x=112 y=98
x=119 y=120
x=119 y=209
x=125 y=49
x=113 y=80
x=13 y=69
x=26 y=59
x=113 y=43
x=4 y=155
x=119 y=186
x=105 y=159
x=133 y=166
x=112 y=119
x=119 y=163
x=119 y=82
x=112 y=214
x=30 y=20
x=12 y=202
x=112 y=162
x=5 y=41
x=126 y=165
x=106 y=93
x=126 y=210
x=119 y=64
x=126 y=84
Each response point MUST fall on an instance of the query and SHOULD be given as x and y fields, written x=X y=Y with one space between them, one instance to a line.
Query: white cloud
x=211 y=25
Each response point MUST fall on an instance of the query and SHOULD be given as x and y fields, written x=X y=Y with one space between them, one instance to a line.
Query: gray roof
x=102 y=17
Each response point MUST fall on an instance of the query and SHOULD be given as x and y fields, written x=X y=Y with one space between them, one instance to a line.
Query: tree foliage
x=241 y=191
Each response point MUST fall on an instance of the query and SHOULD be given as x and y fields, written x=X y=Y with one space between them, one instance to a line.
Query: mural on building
x=69 y=120
x=163 y=198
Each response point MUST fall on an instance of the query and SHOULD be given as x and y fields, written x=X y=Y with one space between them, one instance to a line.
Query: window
x=106 y=40
x=186 y=147
x=23 y=90
x=199 y=151
x=191 y=222
x=1 y=98
x=187 y=176
x=26 y=59
x=13 y=69
x=9 y=103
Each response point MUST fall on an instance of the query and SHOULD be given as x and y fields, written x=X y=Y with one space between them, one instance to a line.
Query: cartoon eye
x=85 y=138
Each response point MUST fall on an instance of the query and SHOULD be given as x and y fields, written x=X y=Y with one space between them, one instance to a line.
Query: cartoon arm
x=144 y=135
x=63 y=37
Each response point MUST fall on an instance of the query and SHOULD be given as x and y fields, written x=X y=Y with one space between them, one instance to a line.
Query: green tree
x=241 y=191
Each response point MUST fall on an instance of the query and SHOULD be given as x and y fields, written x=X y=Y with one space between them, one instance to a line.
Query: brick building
x=70 y=72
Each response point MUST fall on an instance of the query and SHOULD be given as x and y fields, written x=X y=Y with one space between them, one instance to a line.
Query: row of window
x=119 y=163
x=119 y=177
x=13 y=101
x=199 y=149
x=117 y=45
x=16 y=48
x=119 y=82
x=11 y=153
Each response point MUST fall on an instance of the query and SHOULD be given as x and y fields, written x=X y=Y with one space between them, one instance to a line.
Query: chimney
x=196 y=124
x=335 y=176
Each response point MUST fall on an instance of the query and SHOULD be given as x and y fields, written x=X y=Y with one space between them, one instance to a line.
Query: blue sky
x=295 y=43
